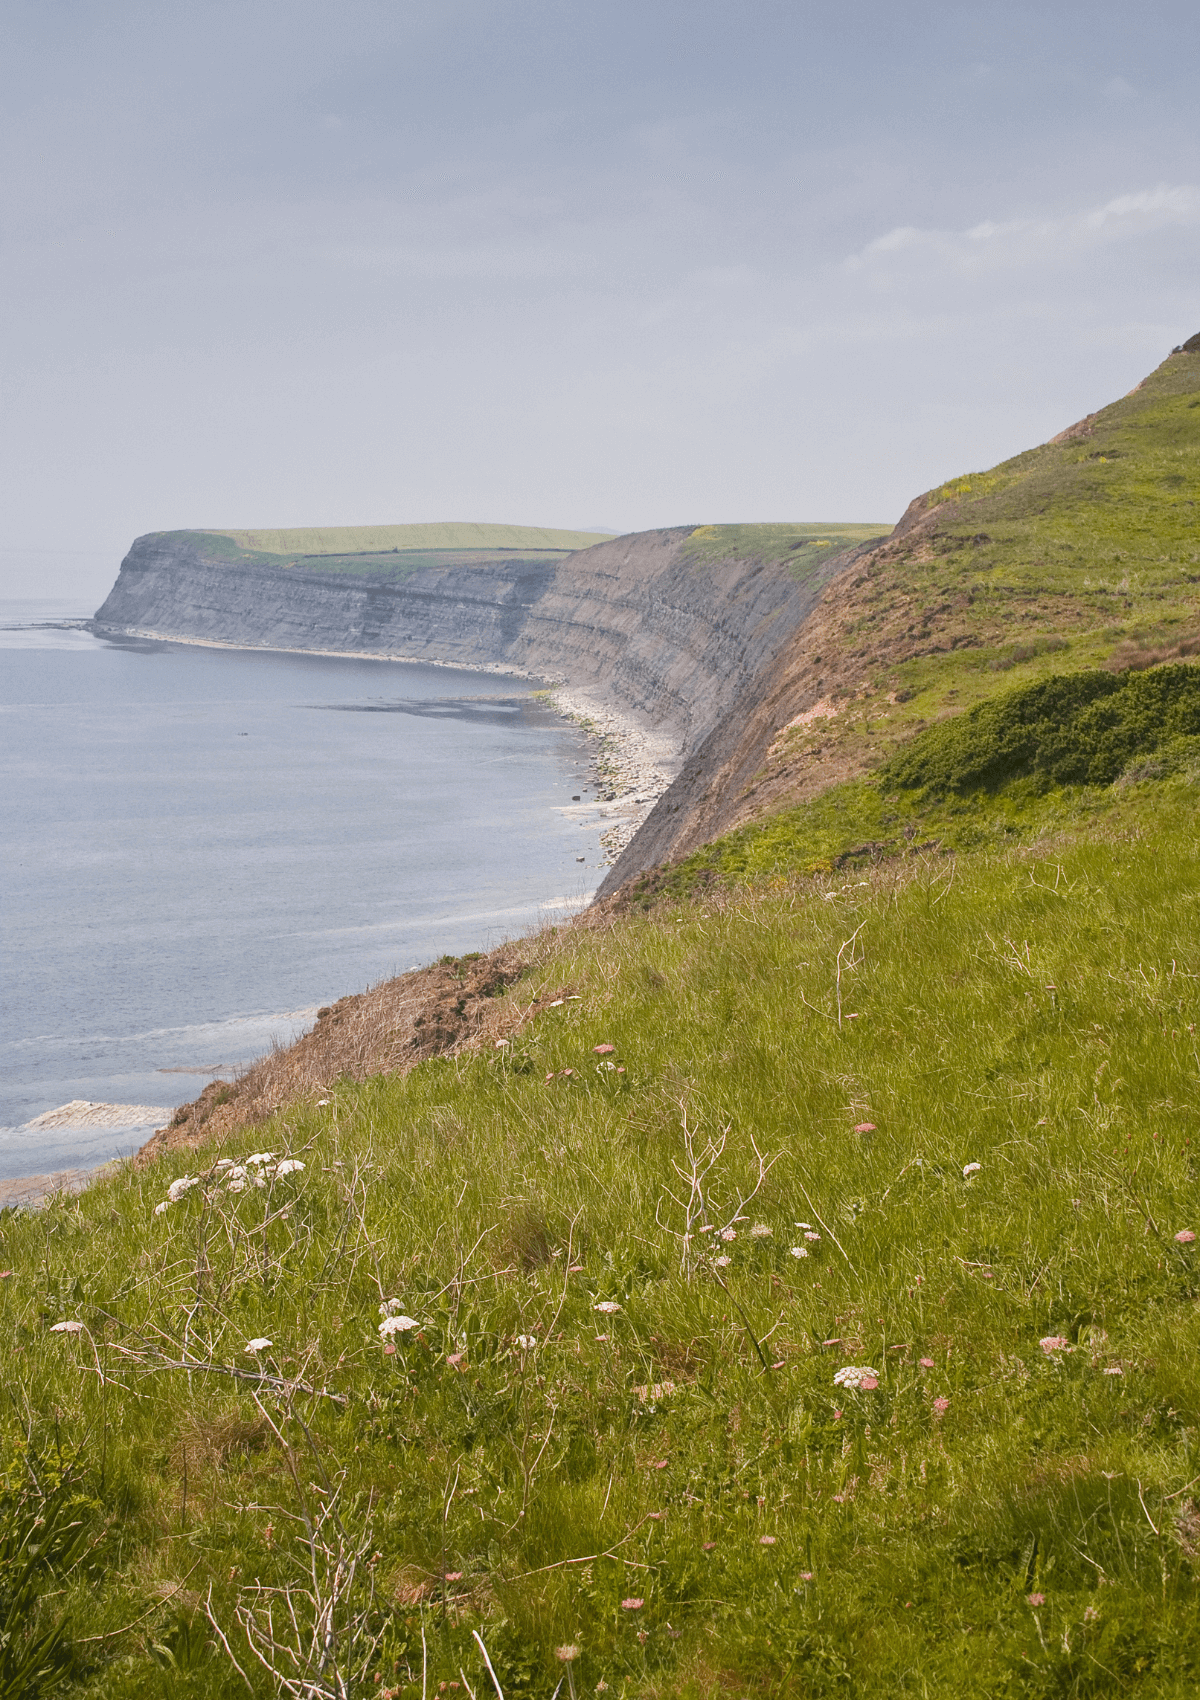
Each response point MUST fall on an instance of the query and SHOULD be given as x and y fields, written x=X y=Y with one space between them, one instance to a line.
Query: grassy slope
x=354 y=539
x=1030 y=1010
x=1061 y=558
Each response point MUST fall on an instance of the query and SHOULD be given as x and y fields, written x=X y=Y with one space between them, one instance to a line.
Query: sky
x=611 y=265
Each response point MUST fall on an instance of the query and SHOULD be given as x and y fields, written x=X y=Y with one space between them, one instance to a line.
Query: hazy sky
x=567 y=264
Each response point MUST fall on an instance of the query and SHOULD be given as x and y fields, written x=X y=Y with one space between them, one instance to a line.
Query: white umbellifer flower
x=760 y=1231
x=729 y=1233
x=853 y=1375
x=971 y=1169
x=237 y=1183
x=799 y=1251
x=802 y=1224
x=527 y=1342
x=812 y=1235
x=390 y=1307
x=289 y=1166
x=161 y=1209
x=607 y=1307
x=259 y=1344
x=67 y=1328
x=224 y=1162
x=722 y=1262
x=177 y=1188
x=260 y=1157
x=397 y=1325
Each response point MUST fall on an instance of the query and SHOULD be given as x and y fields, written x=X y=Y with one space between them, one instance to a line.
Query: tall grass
x=975 y=1081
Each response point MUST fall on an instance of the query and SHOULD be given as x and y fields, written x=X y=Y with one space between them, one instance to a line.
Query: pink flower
x=864 y=1127
x=926 y=1363
x=1054 y=1343
x=632 y=1605
x=806 y=1576
x=1036 y=1599
x=454 y=1575
x=1185 y=1236
x=603 y=1050
x=941 y=1406
x=766 y=1540
x=868 y=1383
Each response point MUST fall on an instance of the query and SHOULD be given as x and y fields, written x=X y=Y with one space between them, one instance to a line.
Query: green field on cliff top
x=803 y=1301
x=376 y=539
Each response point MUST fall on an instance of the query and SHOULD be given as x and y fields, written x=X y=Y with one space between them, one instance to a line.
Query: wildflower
x=722 y=1262
x=766 y=1540
x=1185 y=1236
x=799 y=1251
x=941 y=1406
x=803 y=1225
x=527 y=1342
x=161 y=1209
x=856 y=1375
x=602 y=1050
x=397 y=1325
x=566 y=1654
x=391 y=1307
x=259 y=1344
x=1036 y=1599
x=454 y=1359
x=729 y=1234
x=812 y=1236
x=260 y=1157
x=760 y=1231
x=67 y=1328
x=971 y=1169
x=224 y=1162
x=1113 y=1369
x=321 y=1103
x=289 y=1166
x=1091 y=1615
x=708 y=1546
x=864 y=1127
x=177 y=1188
x=237 y=1183
x=632 y=1605
x=806 y=1576
x=454 y=1575
x=607 y=1307
x=925 y=1363
x=1055 y=1343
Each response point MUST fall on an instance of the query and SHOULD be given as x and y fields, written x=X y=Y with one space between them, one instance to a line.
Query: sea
x=199 y=847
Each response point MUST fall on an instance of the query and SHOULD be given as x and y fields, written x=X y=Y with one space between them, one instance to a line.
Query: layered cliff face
x=669 y=627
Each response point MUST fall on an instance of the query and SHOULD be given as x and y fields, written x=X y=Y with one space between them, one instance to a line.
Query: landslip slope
x=1082 y=552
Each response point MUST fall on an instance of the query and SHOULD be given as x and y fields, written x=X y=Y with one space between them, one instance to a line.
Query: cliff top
x=373 y=539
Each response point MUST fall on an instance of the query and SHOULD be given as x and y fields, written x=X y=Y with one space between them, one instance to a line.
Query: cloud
x=1023 y=241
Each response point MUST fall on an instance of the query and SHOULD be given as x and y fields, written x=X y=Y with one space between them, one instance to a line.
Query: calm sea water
x=199 y=847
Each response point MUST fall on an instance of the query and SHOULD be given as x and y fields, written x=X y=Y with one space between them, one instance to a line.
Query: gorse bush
x=1072 y=729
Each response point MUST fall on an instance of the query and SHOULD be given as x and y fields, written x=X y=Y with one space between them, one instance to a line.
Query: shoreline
x=630 y=766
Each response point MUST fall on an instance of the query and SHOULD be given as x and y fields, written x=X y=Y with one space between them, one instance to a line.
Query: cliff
x=669 y=627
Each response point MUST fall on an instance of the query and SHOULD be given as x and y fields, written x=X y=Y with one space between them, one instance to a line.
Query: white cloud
x=1032 y=240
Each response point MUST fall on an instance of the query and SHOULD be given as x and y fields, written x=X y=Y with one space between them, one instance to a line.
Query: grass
x=374 y=539
x=996 y=1516
x=801 y=548
x=1071 y=556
